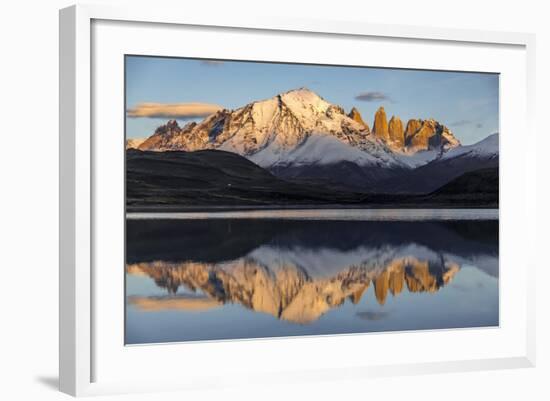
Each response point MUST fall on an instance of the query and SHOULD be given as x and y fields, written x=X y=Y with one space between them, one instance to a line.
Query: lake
x=271 y=273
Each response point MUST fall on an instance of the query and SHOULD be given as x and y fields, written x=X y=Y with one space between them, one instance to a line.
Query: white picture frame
x=78 y=211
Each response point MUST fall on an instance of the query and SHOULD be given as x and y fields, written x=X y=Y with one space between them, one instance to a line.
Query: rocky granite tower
x=428 y=134
x=396 y=133
x=380 y=127
x=356 y=116
x=413 y=125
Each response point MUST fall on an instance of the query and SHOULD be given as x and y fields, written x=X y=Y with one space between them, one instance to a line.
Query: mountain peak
x=396 y=132
x=169 y=127
x=380 y=127
x=300 y=90
x=355 y=115
x=273 y=131
x=304 y=96
x=302 y=93
x=428 y=134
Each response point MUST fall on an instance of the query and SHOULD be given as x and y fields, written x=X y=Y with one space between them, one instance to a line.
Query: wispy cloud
x=172 y=110
x=373 y=97
x=461 y=123
x=212 y=63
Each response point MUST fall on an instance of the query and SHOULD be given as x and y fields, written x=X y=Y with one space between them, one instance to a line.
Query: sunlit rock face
x=380 y=127
x=427 y=135
x=280 y=123
x=396 y=133
x=355 y=115
x=286 y=290
x=418 y=136
x=413 y=125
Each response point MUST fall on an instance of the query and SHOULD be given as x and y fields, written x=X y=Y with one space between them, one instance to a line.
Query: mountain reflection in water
x=287 y=291
x=300 y=271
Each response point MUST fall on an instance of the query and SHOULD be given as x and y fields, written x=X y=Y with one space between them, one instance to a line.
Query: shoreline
x=325 y=214
x=229 y=208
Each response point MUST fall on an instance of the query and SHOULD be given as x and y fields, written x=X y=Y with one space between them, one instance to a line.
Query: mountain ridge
x=301 y=138
x=179 y=180
x=270 y=131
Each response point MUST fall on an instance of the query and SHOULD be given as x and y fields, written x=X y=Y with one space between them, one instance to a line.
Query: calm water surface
x=230 y=275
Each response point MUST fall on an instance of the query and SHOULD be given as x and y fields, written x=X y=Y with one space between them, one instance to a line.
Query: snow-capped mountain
x=485 y=149
x=299 y=127
x=298 y=136
x=427 y=177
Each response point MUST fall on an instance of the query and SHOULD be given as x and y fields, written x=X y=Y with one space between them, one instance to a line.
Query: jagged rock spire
x=427 y=134
x=396 y=132
x=413 y=125
x=355 y=115
x=380 y=127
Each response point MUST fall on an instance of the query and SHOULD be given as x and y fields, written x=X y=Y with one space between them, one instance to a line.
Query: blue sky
x=465 y=102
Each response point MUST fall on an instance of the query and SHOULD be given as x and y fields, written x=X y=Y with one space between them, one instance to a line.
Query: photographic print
x=280 y=199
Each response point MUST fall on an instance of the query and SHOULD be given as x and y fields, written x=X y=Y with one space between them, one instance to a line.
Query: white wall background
x=29 y=186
